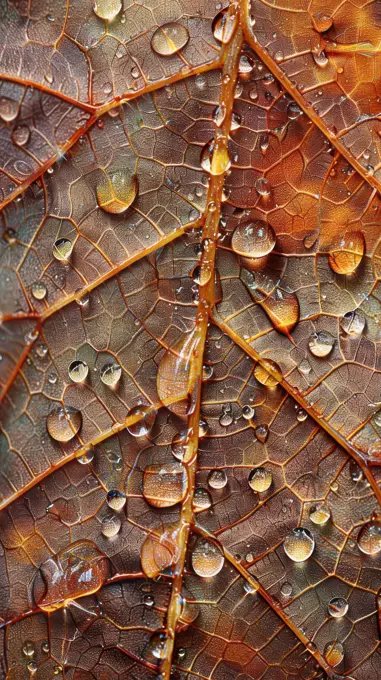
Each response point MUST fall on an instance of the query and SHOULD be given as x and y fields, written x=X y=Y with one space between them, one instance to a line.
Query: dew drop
x=87 y=457
x=334 y=653
x=355 y=471
x=268 y=373
x=169 y=39
x=157 y=647
x=217 y=479
x=78 y=371
x=116 y=191
x=226 y=417
x=263 y=187
x=28 y=649
x=337 y=607
x=10 y=236
x=207 y=559
x=253 y=239
x=146 y=422
x=32 y=667
x=160 y=550
x=320 y=59
x=216 y=163
x=111 y=526
x=45 y=647
x=116 y=499
x=164 y=484
x=299 y=544
x=201 y=274
x=346 y=252
x=262 y=433
x=286 y=589
x=63 y=423
x=253 y=94
x=38 y=290
x=201 y=499
x=369 y=538
x=8 y=109
x=260 y=479
x=219 y=114
x=179 y=444
x=353 y=323
x=281 y=307
x=321 y=22
x=301 y=415
x=62 y=249
x=246 y=64
x=248 y=412
x=321 y=343
x=149 y=600
x=224 y=25
x=320 y=513
x=111 y=374
x=20 y=135
x=173 y=371
x=207 y=372
x=107 y=9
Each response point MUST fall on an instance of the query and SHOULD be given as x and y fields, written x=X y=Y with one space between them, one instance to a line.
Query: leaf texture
x=189 y=345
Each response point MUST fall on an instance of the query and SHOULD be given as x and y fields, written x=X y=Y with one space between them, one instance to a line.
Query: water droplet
x=78 y=371
x=262 y=433
x=320 y=513
x=107 y=9
x=268 y=373
x=201 y=500
x=253 y=94
x=334 y=653
x=320 y=59
x=301 y=415
x=207 y=372
x=116 y=499
x=281 y=307
x=219 y=114
x=189 y=611
x=173 y=371
x=286 y=589
x=28 y=649
x=214 y=162
x=321 y=22
x=45 y=647
x=217 y=479
x=32 y=667
x=20 y=135
x=9 y=109
x=226 y=417
x=111 y=374
x=224 y=25
x=253 y=239
x=38 y=290
x=321 y=343
x=179 y=444
x=355 y=471
x=10 y=236
x=207 y=559
x=299 y=544
x=116 y=191
x=169 y=39
x=111 y=525
x=87 y=457
x=337 y=607
x=369 y=538
x=248 y=412
x=263 y=187
x=246 y=64
x=164 y=484
x=201 y=274
x=62 y=249
x=260 y=479
x=346 y=252
x=143 y=426
x=160 y=550
x=157 y=647
x=353 y=323
x=80 y=569
x=149 y=600
x=63 y=423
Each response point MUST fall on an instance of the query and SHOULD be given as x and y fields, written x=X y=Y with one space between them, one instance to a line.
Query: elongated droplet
x=253 y=239
x=78 y=371
x=62 y=249
x=189 y=610
x=160 y=550
x=116 y=499
x=346 y=252
x=111 y=374
x=215 y=162
x=164 y=485
x=337 y=607
x=9 y=109
x=169 y=39
x=63 y=423
x=116 y=191
x=321 y=343
x=38 y=290
x=156 y=649
x=207 y=559
x=369 y=538
x=107 y=9
x=299 y=544
x=268 y=373
x=28 y=649
x=20 y=135
x=224 y=25
x=334 y=653
x=145 y=423
x=80 y=569
x=260 y=479
x=174 y=372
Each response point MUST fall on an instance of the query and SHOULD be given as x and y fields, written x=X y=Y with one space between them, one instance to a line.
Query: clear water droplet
x=169 y=39
x=111 y=525
x=28 y=649
x=299 y=544
x=9 y=109
x=353 y=323
x=262 y=433
x=201 y=499
x=260 y=479
x=38 y=290
x=217 y=479
x=321 y=343
x=164 y=485
x=320 y=513
x=87 y=457
x=301 y=415
x=116 y=499
x=369 y=538
x=248 y=412
x=20 y=135
x=207 y=559
x=214 y=162
x=346 y=252
x=63 y=423
x=111 y=374
x=263 y=187
x=268 y=373
x=78 y=371
x=107 y=9
x=116 y=191
x=253 y=239
x=334 y=653
x=62 y=249
x=224 y=25
x=337 y=607
x=146 y=422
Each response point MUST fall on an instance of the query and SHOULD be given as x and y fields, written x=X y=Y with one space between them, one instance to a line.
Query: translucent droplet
x=169 y=39
x=268 y=373
x=201 y=274
x=282 y=308
x=226 y=417
x=207 y=559
x=174 y=371
x=320 y=59
x=111 y=525
x=107 y=9
x=337 y=607
x=116 y=499
x=9 y=109
x=369 y=538
x=355 y=471
x=45 y=647
x=32 y=667
x=216 y=163
x=62 y=249
x=260 y=479
x=321 y=343
x=201 y=500
x=160 y=550
x=28 y=649
x=157 y=647
x=334 y=653
x=38 y=290
x=262 y=433
x=111 y=374
x=346 y=252
x=116 y=191
x=20 y=135
x=301 y=415
x=224 y=25
x=286 y=589
x=320 y=513
x=321 y=22
x=263 y=187
x=248 y=412
x=190 y=610
x=149 y=600
x=207 y=372
x=299 y=544
x=63 y=423
x=353 y=323
x=143 y=426
x=179 y=444
x=80 y=569
x=219 y=114
x=246 y=64
x=164 y=485
x=217 y=479
x=87 y=457
x=253 y=239
x=78 y=371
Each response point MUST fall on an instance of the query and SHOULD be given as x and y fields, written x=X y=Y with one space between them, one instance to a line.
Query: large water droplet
x=207 y=559
x=107 y=9
x=160 y=550
x=111 y=374
x=174 y=369
x=80 y=569
x=116 y=191
x=299 y=544
x=78 y=371
x=346 y=252
x=334 y=653
x=62 y=249
x=217 y=479
x=143 y=426
x=337 y=607
x=253 y=239
x=116 y=499
x=224 y=25
x=111 y=525
x=214 y=162
x=263 y=187
x=321 y=343
x=369 y=538
x=260 y=479
x=169 y=39
x=164 y=485
x=268 y=373
x=353 y=323
x=63 y=423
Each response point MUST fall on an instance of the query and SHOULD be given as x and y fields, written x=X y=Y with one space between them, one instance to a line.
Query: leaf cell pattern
x=190 y=418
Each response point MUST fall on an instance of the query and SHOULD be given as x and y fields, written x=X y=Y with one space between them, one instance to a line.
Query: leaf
x=189 y=363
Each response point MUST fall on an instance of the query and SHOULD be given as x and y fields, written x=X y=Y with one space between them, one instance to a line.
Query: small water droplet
x=45 y=647
x=10 y=236
x=78 y=371
x=207 y=372
x=337 y=607
x=174 y=371
x=260 y=479
x=63 y=423
x=107 y=9
x=219 y=114
x=38 y=290
x=263 y=187
x=62 y=249
x=299 y=544
x=157 y=647
x=32 y=667
x=286 y=589
x=116 y=191
x=253 y=239
x=355 y=471
x=346 y=252
x=217 y=479
x=226 y=417
x=9 y=109
x=301 y=415
x=87 y=457
x=262 y=433
x=202 y=499
x=116 y=499
x=111 y=374
x=207 y=559
x=268 y=373
x=111 y=525
x=169 y=39
x=179 y=443
x=28 y=649
x=320 y=513
x=20 y=135
x=246 y=64
x=321 y=21
x=214 y=162
x=248 y=412
x=145 y=423
x=353 y=323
